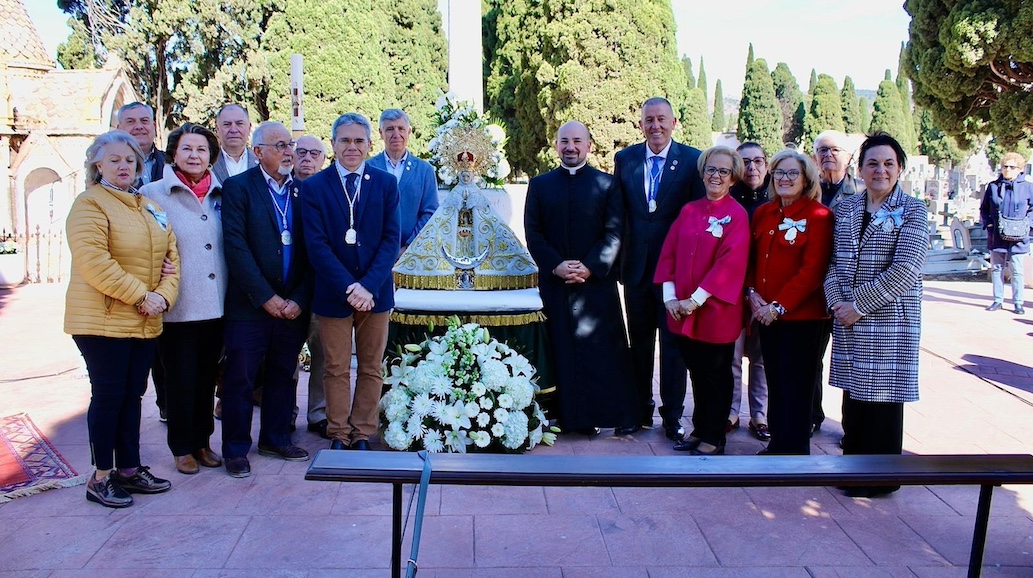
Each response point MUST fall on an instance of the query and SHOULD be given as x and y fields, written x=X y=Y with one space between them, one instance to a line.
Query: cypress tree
x=865 y=114
x=717 y=121
x=887 y=115
x=851 y=114
x=695 y=126
x=825 y=112
x=686 y=63
x=749 y=57
x=760 y=119
x=910 y=134
x=813 y=82
x=702 y=82
x=790 y=102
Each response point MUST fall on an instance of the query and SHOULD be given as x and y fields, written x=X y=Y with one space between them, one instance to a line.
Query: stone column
x=463 y=30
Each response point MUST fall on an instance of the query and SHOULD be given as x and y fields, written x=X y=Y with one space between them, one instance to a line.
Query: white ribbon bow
x=716 y=227
x=791 y=227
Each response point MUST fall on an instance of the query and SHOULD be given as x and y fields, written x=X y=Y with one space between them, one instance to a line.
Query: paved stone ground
x=977 y=393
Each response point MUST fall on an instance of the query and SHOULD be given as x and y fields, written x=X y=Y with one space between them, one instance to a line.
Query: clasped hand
x=846 y=313
x=359 y=297
x=572 y=271
x=761 y=309
x=281 y=308
x=152 y=304
x=678 y=309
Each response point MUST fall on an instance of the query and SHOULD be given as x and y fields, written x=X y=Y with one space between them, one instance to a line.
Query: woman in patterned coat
x=874 y=291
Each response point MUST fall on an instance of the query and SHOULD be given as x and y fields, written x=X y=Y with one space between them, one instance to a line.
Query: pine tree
x=717 y=120
x=686 y=63
x=940 y=148
x=702 y=82
x=760 y=119
x=790 y=101
x=825 y=112
x=851 y=114
x=865 y=114
x=887 y=115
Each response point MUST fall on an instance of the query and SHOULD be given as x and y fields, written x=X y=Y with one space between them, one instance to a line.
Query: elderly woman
x=191 y=343
x=701 y=267
x=116 y=296
x=790 y=245
x=874 y=291
x=1010 y=197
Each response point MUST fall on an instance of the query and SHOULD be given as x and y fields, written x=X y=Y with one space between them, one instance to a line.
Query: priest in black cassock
x=573 y=223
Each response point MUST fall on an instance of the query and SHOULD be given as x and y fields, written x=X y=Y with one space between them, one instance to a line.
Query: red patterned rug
x=29 y=463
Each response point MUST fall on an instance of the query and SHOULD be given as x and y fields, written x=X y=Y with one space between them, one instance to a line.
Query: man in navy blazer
x=350 y=211
x=417 y=187
x=267 y=300
x=656 y=178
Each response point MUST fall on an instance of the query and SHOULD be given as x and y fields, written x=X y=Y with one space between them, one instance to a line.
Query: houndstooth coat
x=876 y=359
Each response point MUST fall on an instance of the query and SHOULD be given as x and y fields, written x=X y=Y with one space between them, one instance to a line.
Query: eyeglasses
x=314 y=153
x=834 y=151
x=791 y=174
x=761 y=161
x=1009 y=167
x=711 y=171
x=280 y=146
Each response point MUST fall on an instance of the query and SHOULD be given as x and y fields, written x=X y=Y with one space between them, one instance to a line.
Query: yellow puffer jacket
x=117 y=249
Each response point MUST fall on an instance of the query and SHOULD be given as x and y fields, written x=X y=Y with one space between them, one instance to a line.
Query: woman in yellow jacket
x=117 y=293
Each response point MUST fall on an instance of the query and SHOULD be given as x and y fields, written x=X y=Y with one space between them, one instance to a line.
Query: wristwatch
x=778 y=308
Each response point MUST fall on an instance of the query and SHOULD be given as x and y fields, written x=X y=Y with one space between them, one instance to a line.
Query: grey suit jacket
x=219 y=168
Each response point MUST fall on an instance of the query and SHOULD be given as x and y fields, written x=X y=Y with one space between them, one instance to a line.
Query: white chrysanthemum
x=422 y=405
x=432 y=441
x=441 y=387
x=395 y=437
x=478 y=389
x=483 y=419
x=414 y=427
x=501 y=415
x=494 y=374
x=486 y=403
x=505 y=400
x=516 y=430
x=480 y=439
x=498 y=430
x=472 y=409
x=521 y=391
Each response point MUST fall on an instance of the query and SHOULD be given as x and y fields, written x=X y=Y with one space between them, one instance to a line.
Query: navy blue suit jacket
x=338 y=264
x=254 y=254
x=644 y=232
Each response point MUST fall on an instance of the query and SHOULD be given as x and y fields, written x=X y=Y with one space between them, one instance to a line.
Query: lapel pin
x=365 y=177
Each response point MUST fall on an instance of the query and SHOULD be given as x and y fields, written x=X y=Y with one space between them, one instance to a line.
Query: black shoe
x=320 y=428
x=647 y=414
x=870 y=491
x=687 y=444
x=107 y=493
x=994 y=306
x=626 y=430
x=586 y=431
x=760 y=431
x=361 y=445
x=163 y=416
x=238 y=467
x=338 y=445
x=717 y=450
x=141 y=482
x=1020 y=310
x=674 y=431
x=291 y=453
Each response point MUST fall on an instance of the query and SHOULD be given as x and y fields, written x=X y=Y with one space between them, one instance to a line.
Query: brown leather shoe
x=187 y=465
x=207 y=458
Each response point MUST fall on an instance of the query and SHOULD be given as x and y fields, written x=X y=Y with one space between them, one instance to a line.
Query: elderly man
x=137 y=119
x=233 y=125
x=311 y=156
x=351 y=221
x=832 y=155
x=267 y=300
x=572 y=220
x=656 y=178
x=751 y=192
x=417 y=188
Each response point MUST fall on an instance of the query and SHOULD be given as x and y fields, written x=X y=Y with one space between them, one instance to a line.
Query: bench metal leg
x=396 y=530
x=975 y=559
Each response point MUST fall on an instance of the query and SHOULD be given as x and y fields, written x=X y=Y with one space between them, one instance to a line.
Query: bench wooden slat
x=672 y=471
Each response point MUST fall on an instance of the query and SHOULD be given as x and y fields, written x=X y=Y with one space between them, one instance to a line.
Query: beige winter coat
x=117 y=249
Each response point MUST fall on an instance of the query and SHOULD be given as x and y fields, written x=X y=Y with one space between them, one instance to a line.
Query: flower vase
x=12 y=270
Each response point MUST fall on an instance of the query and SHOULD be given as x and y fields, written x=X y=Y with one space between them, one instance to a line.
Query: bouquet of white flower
x=463 y=391
x=460 y=128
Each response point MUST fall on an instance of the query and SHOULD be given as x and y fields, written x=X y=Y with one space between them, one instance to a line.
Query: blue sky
x=836 y=37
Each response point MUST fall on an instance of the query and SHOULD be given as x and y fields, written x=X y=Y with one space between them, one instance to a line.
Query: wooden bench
x=398 y=468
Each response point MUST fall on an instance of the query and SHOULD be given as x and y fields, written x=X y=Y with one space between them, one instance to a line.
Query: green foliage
x=910 y=133
x=717 y=120
x=813 y=82
x=851 y=112
x=760 y=119
x=553 y=62
x=887 y=115
x=939 y=147
x=749 y=57
x=686 y=64
x=825 y=111
x=702 y=82
x=77 y=50
x=995 y=149
x=790 y=102
x=865 y=111
x=695 y=124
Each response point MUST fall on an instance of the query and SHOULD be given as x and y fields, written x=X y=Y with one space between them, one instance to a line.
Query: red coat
x=692 y=257
x=791 y=271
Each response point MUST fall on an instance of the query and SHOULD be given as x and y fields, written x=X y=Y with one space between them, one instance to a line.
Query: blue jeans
x=1014 y=260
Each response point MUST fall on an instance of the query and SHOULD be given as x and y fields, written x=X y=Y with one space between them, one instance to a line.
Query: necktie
x=654 y=177
x=349 y=183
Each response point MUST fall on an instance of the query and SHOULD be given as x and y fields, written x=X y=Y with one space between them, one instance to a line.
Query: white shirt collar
x=663 y=153
x=234 y=167
x=345 y=172
x=267 y=177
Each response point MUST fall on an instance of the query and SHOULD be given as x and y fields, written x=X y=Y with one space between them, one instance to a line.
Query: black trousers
x=792 y=352
x=646 y=315
x=158 y=377
x=118 y=379
x=710 y=369
x=818 y=413
x=191 y=351
x=872 y=428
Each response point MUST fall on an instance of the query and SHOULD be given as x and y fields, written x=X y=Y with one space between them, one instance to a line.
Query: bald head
x=573 y=142
x=311 y=156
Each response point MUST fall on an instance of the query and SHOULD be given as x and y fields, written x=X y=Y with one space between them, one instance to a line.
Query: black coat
x=578 y=217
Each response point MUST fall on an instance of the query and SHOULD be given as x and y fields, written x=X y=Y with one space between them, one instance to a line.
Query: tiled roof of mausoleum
x=19 y=41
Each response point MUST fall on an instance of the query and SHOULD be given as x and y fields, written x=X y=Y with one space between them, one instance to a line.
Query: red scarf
x=200 y=188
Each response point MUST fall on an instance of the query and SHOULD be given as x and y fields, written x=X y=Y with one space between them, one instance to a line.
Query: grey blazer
x=219 y=168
